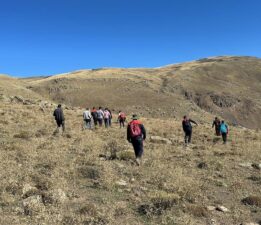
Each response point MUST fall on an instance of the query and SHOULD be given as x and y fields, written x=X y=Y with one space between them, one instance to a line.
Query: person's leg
x=185 y=138
x=224 y=138
x=100 y=122
x=138 y=149
x=88 y=124
x=189 y=136
x=63 y=125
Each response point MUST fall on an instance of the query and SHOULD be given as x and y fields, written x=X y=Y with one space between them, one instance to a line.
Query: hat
x=135 y=117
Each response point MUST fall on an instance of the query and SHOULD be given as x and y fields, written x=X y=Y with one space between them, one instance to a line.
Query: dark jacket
x=142 y=128
x=216 y=123
x=186 y=124
x=58 y=114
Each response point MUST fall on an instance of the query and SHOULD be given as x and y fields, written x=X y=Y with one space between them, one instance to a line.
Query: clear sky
x=44 y=37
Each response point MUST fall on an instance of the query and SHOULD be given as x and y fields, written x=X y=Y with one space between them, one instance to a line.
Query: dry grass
x=77 y=175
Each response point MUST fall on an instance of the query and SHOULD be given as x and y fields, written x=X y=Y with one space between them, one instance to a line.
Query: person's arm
x=213 y=124
x=192 y=121
x=128 y=134
x=143 y=131
x=54 y=113
x=183 y=125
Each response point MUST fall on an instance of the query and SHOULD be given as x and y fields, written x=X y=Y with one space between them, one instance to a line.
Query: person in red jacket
x=136 y=134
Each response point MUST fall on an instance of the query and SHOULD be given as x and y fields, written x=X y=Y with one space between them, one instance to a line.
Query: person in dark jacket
x=216 y=124
x=59 y=117
x=94 y=116
x=187 y=128
x=136 y=134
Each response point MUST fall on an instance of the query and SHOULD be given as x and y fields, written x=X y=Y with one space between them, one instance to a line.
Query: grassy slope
x=175 y=90
x=168 y=189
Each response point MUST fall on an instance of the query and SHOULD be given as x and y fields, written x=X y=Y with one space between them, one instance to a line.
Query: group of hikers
x=136 y=132
x=101 y=116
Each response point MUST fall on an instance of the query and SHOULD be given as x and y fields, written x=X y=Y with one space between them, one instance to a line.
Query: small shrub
x=23 y=135
x=88 y=210
x=126 y=155
x=252 y=200
x=89 y=172
x=160 y=202
x=197 y=211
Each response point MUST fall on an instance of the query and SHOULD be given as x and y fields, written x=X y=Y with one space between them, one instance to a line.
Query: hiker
x=216 y=124
x=121 y=118
x=187 y=128
x=136 y=134
x=59 y=117
x=224 y=131
x=100 y=115
x=106 y=116
x=110 y=118
x=94 y=116
x=87 y=117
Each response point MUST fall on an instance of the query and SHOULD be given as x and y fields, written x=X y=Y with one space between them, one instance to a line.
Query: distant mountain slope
x=226 y=86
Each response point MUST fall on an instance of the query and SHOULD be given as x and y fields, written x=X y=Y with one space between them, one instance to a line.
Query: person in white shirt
x=87 y=118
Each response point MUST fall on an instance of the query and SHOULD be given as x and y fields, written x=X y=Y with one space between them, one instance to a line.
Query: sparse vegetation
x=89 y=176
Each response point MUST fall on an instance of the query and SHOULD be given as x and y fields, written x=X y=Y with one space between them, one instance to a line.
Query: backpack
x=122 y=116
x=223 y=128
x=135 y=129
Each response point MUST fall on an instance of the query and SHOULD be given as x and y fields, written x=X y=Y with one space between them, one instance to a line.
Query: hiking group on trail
x=136 y=132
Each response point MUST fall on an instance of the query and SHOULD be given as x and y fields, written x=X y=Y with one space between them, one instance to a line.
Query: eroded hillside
x=225 y=86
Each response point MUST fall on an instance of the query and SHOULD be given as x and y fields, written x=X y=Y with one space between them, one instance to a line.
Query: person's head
x=185 y=117
x=120 y=111
x=222 y=121
x=59 y=106
x=87 y=108
x=93 y=107
x=100 y=107
x=135 y=117
x=216 y=118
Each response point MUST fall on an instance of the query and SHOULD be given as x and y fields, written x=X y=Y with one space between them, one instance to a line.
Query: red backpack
x=135 y=130
x=122 y=116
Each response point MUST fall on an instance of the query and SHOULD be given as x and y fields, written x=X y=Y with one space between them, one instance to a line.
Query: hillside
x=225 y=86
x=89 y=177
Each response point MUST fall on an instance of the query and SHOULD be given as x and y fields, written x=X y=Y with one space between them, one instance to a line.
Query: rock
x=29 y=190
x=211 y=208
x=121 y=183
x=33 y=204
x=160 y=140
x=249 y=224
x=246 y=165
x=202 y=165
x=59 y=196
x=222 y=209
x=256 y=166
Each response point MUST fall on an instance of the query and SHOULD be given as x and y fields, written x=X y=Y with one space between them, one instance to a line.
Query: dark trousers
x=188 y=135
x=217 y=130
x=137 y=144
x=110 y=121
x=60 y=123
x=107 y=122
x=95 y=122
x=122 y=123
x=100 y=122
x=224 y=137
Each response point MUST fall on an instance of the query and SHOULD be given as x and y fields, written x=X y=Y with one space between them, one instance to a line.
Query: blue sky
x=44 y=37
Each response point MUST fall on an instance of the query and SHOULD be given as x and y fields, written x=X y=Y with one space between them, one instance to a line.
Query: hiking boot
x=138 y=161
